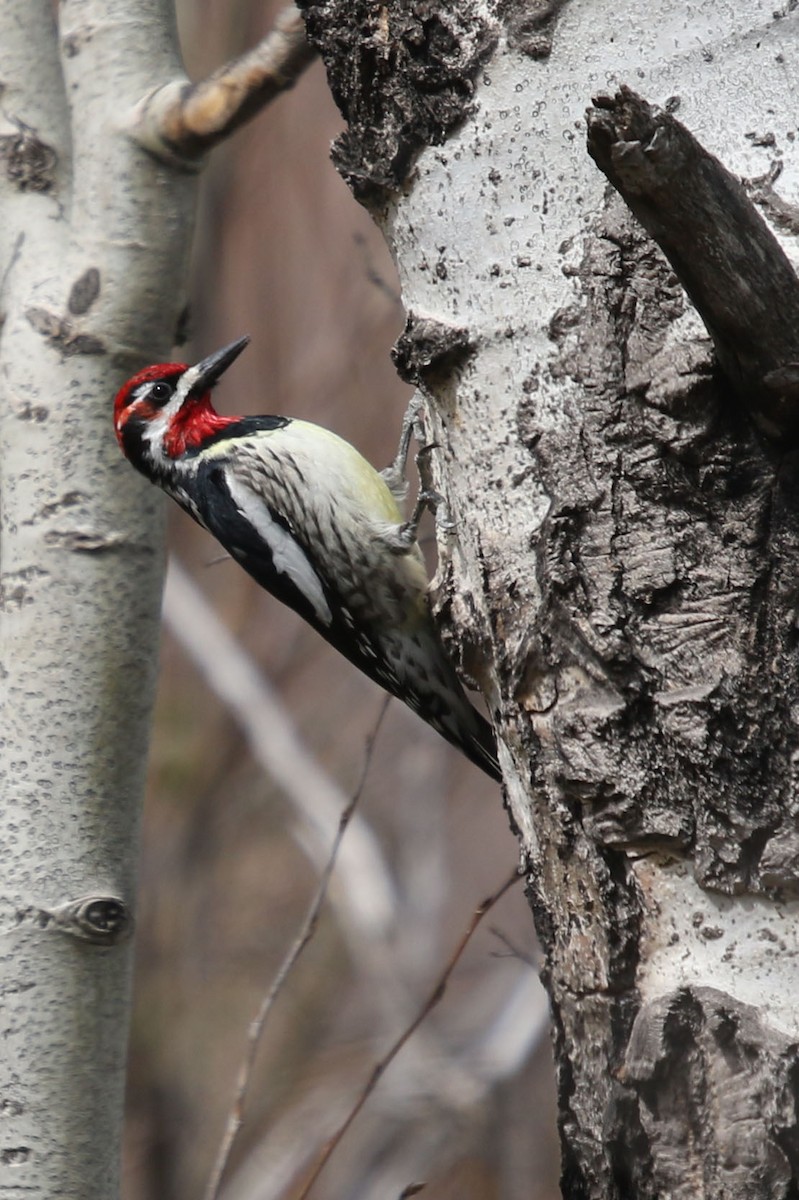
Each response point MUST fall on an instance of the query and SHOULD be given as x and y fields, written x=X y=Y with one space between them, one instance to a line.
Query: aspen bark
x=621 y=576
x=93 y=248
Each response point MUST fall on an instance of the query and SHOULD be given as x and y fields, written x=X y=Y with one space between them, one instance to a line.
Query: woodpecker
x=312 y=522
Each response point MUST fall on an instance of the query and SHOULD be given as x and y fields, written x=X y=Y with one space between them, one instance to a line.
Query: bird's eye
x=161 y=392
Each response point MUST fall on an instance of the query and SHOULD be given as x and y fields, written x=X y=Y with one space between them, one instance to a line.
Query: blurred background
x=238 y=819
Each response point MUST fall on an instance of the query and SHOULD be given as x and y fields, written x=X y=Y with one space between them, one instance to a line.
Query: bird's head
x=165 y=411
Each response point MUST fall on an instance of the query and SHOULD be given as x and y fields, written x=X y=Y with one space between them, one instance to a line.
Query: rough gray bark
x=621 y=581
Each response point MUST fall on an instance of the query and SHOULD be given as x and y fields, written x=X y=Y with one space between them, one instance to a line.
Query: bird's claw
x=435 y=502
x=394 y=473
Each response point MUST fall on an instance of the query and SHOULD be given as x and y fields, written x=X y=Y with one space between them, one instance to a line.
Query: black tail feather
x=481 y=749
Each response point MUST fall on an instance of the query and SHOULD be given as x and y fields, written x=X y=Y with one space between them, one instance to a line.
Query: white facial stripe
x=287 y=557
x=187 y=381
x=156 y=428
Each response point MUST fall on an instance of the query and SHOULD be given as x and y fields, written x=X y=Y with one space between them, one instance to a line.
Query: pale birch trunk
x=621 y=580
x=94 y=236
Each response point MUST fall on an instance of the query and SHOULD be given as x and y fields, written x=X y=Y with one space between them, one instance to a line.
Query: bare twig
x=512 y=950
x=367 y=906
x=401 y=1142
x=721 y=249
x=430 y=1003
x=305 y=935
x=181 y=121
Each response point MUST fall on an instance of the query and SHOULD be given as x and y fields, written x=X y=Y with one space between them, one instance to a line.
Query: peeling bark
x=621 y=580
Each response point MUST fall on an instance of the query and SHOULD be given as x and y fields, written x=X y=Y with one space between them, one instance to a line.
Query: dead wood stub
x=724 y=254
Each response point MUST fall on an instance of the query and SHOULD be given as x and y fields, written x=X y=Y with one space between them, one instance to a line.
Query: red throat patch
x=195 y=422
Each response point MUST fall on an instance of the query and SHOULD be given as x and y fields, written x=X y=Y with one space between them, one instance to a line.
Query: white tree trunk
x=93 y=247
x=620 y=579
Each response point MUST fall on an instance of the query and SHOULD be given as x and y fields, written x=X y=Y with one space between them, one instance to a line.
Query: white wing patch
x=287 y=557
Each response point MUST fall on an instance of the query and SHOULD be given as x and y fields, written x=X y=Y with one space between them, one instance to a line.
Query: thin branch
x=430 y=1003
x=305 y=935
x=365 y=897
x=399 y=1143
x=181 y=121
x=512 y=950
x=721 y=249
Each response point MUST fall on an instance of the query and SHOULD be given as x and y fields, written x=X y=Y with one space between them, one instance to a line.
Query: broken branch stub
x=721 y=249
